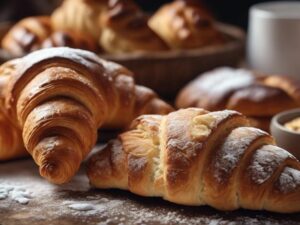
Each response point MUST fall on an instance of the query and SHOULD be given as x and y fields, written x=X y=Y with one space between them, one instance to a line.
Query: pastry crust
x=185 y=24
x=81 y=16
x=195 y=157
x=70 y=39
x=255 y=95
x=59 y=97
x=125 y=29
x=27 y=35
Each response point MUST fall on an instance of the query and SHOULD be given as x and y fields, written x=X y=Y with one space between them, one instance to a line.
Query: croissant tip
x=54 y=173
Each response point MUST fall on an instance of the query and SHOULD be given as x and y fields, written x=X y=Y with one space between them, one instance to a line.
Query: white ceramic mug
x=274 y=38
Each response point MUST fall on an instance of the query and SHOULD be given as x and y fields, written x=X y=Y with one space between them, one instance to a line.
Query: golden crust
x=195 y=157
x=262 y=123
x=255 y=95
x=185 y=24
x=125 y=29
x=79 y=16
x=27 y=35
x=260 y=100
x=59 y=97
x=70 y=39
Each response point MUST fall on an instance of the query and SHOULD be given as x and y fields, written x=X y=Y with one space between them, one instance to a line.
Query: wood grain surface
x=51 y=204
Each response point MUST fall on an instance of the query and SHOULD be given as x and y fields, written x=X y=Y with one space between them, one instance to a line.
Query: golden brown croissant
x=11 y=142
x=59 y=97
x=70 y=39
x=255 y=95
x=196 y=157
x=185 y=24
x=81 y=16
x=125 y=29
x=27 y=35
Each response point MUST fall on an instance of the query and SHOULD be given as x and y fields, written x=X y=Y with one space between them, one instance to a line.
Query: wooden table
x=51 y=204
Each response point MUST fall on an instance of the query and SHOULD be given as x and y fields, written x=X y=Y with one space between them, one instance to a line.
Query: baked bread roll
x=27 y=35
x=81 y=16
x=255 y=95
x=70 y=39
x=185 y=24
x=125 y=29
x=59 y=97
x=196 y=157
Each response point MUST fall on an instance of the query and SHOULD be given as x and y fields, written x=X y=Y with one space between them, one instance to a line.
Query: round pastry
x=255 y=95
x=185 y=24
x=125 y=29
x=80 y=16
x=27 y=35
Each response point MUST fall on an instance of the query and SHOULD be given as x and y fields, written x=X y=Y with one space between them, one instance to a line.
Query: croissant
x=196 y=157
x=70 y=39
x=125 y=29
x=81 y=16
x=59 y=97
x=185 y=24
x=27 y=35
x=256 y=95
x=11 y=143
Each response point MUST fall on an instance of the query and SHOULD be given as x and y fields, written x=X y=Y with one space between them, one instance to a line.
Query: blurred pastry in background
x=256 y=95
x=79 y=16
x=27 y=35
x=185 y=24
x=117 y=26
x=125 y=29
x=34 y=33
x=71 y=39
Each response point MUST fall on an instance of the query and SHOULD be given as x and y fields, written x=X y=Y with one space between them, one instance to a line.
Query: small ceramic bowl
x=286 y=138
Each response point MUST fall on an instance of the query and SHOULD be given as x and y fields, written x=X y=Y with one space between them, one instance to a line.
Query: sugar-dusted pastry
x=255 y=95
x=27 y=35
x=125 y=29
x=72 y=40
x=185 y=24
x=80 y=16
x=196 y=157
x=59 y=97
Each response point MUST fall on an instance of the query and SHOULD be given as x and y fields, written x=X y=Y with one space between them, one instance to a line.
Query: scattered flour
x=81 y=206
x=90 y=207
x=17 y=194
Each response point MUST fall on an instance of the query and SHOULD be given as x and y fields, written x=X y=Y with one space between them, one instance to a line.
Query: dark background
x=234 y=12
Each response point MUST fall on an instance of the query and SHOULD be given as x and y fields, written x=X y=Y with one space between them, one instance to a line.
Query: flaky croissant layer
x=60 y=97
x=196 y=157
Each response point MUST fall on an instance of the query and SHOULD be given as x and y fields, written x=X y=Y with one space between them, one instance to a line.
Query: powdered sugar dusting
x=219 y=116
x=232 y=149
x=182 y=145
x=265 y=162
x=227 y=81
x=289 y=180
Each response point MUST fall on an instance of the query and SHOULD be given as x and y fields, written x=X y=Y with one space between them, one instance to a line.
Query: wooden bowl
x=167 y=72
